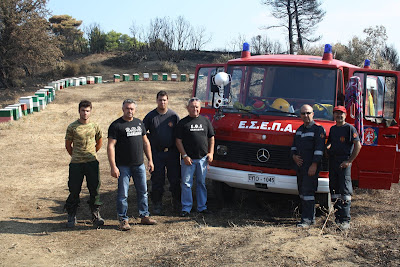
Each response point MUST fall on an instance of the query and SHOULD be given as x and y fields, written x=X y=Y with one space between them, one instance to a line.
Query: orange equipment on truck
x=253 y=103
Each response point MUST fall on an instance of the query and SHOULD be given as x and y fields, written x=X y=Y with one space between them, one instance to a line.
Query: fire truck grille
x=268 y=156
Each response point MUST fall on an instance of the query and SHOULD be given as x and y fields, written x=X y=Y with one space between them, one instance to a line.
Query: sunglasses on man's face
x=304 y=113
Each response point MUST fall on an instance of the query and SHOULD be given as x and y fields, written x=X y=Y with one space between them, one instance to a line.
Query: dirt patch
x=256 y=229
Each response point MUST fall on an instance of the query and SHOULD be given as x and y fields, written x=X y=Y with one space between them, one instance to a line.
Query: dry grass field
x=255 y=230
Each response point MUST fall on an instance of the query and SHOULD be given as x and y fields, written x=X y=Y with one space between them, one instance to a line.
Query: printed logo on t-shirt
x=342 y=139
x=171 y=124
x=133 y=131
x=196 y=128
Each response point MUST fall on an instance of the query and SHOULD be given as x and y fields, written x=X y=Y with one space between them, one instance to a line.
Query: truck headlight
x=222 y=150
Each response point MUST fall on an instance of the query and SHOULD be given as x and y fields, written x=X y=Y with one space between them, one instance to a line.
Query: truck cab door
x=378 y=164
x=203 y=81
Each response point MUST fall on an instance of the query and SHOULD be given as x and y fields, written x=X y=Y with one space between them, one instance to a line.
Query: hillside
x=106 y=65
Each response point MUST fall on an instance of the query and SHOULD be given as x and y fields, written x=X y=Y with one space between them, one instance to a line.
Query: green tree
x=26 y=43
x=67 y=29
x=126 y=42
x=96 y=39
x=112 y=40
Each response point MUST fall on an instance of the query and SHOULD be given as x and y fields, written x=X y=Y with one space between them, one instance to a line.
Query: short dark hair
x=85 y=104
x=162 y=93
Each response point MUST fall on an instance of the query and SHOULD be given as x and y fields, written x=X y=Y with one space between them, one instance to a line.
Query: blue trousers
x=198 y=167
x=138 y=174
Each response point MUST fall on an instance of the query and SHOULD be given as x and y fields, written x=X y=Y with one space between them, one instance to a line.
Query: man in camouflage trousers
x=82 y=140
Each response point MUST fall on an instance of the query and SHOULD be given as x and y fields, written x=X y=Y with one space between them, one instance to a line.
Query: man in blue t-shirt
x=126 y=142
x=161 y=123
x=195 y=142
x=343 y=147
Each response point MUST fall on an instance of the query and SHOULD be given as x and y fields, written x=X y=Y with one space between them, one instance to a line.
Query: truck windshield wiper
x=281 y=111
x=248 y=111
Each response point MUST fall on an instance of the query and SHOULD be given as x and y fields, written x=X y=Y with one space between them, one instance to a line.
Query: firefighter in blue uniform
x=343 y=147
x=307 y=152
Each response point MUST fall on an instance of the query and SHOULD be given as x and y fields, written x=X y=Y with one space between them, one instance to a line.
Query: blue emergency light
x=246 y=47
x=328 y=48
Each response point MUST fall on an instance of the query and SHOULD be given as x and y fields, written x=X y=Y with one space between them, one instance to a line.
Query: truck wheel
x=324 y=201
x=223 y=193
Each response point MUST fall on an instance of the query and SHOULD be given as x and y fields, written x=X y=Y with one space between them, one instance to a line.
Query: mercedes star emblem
x=263 y=155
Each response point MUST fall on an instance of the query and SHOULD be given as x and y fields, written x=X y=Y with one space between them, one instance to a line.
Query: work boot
x=71 y=220
x=124 y=225
x=147 y=221
x=157 y=209
x=96 y=218
x=344 y=226
x=176 y=204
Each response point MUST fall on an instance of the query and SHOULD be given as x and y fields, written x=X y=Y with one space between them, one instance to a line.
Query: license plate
x=261 y=179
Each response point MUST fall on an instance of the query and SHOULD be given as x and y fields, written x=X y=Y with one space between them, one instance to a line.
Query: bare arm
x=210 y=154
x=147 y=151
x=181 y=149
x=99 y=144
x=68 y=146
x=111 y=157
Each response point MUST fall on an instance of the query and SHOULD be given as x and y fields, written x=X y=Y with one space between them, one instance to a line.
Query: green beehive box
x=136 y=77
x=165 y=77
x=42 y=94
x=183 y=77
x=154 y=77
x=36 y=106
x=98 y=79
x=14 y=112
x=125 y=77
x=6 y=112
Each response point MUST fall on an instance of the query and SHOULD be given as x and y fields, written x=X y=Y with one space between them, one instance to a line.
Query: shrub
x=71 y=69
x=85 y=68
x=223 y=58
x=169 y=67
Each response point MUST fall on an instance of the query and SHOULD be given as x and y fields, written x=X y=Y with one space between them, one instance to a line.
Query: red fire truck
x=253 y=103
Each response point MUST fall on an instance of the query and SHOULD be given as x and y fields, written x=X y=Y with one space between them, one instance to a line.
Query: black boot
x=156 y=199
x=71 y=220
x=96 y=218
x=176 y=200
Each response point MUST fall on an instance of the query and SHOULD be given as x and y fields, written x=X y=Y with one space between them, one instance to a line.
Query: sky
x=226 y=20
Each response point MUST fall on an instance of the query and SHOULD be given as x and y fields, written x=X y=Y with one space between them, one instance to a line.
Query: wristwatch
x=184 y=156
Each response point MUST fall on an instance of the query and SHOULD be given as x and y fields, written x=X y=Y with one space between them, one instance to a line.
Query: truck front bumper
x=267 y=182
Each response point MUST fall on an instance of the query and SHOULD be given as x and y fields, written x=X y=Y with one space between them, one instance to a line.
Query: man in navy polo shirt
x=161 y=123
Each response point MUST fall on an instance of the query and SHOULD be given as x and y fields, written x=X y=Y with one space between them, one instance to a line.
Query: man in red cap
x=343 y=147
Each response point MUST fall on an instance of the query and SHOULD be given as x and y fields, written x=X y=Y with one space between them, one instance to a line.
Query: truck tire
x=324 y=201
x=223 y=193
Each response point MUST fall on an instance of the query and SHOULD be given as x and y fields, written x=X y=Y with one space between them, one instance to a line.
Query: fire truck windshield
x=281 y=90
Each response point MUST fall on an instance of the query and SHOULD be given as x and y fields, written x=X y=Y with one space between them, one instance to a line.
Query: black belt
x=165 y=149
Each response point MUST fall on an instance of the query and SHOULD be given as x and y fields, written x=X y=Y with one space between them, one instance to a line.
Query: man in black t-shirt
x=343 y=147
x=195 y=142
x=161 y=123
x=126 y=142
